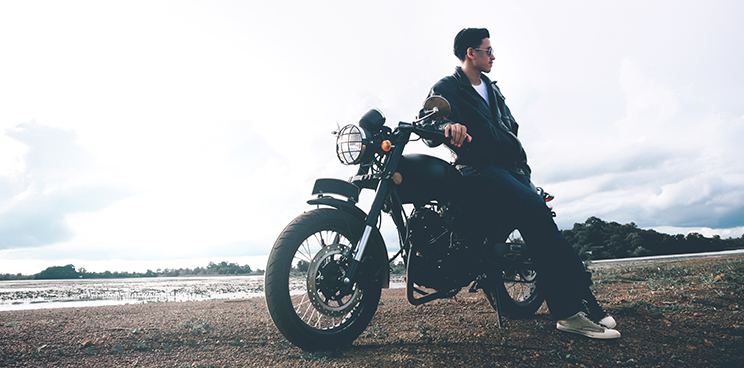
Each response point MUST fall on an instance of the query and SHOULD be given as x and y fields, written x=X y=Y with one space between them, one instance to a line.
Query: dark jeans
x=512 y=201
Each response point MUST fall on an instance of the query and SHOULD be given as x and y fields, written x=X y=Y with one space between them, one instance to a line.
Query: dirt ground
x=679 y=314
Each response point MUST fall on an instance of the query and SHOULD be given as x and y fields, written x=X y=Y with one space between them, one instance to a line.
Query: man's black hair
x=469 y=37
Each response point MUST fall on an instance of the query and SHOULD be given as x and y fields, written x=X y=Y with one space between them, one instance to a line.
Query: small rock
x=87 y=342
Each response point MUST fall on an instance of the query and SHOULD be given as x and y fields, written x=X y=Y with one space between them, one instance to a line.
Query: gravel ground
x=679 y=314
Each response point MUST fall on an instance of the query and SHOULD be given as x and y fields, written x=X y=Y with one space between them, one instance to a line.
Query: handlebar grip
x=431 y=133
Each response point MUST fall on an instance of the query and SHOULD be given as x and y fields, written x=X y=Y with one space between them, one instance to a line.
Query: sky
x=142 y=135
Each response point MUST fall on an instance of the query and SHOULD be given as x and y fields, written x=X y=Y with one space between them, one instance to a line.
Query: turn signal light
x=386 y=145
x=397 y=178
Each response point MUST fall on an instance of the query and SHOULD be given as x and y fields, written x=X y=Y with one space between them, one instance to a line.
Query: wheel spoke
x=519 y=295
x=321 y=281
x=307 y=254
x=308 y=311
x=313 y=257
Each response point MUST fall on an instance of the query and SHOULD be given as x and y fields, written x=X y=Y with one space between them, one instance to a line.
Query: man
x=482 y=136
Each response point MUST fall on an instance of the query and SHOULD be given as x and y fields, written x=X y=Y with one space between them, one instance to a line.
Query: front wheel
x=517 y=288
x=305 y=290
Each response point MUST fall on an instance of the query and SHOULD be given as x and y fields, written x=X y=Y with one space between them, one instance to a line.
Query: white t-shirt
x=483 y=91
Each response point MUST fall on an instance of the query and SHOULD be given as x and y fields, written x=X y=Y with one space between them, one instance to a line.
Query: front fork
x=370 y=224
x=383 y=189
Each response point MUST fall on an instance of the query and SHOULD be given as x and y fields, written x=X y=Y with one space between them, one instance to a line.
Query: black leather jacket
x=493 y=129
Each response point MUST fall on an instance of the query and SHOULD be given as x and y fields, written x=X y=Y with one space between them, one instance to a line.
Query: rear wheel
x=517 y=289
x=305 y=290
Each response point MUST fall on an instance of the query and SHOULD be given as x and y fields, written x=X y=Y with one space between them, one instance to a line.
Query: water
x=41 y=294
x=38 y=294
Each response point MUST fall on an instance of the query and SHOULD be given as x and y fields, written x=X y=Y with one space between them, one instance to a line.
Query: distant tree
x=18 y=276
x=639 y=252
x=398 y=268
x=58 y=272
x=225 y=268
x=598 y=239
x=302 y=266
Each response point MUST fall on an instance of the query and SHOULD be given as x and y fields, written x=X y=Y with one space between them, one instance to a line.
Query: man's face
x=483 y=56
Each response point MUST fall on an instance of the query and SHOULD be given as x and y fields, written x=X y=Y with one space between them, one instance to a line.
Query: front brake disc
x=325 y=282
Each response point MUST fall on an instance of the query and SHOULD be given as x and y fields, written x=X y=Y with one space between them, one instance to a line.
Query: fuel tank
x=423 y=178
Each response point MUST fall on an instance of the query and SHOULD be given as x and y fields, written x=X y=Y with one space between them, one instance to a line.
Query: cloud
x=48 y=186
x=201 y=130
x=664 y=164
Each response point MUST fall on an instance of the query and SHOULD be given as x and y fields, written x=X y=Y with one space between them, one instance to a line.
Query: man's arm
x=458 y=134
x=456 y=131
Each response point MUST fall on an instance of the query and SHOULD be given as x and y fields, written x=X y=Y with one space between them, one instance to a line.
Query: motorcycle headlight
x=350 y=144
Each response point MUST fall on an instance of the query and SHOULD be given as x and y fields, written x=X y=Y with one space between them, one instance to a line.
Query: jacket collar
x=467 y=87
x=464 y=81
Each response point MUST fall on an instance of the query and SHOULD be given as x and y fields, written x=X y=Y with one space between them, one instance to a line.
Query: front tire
x=305 y=293
x=517 y=288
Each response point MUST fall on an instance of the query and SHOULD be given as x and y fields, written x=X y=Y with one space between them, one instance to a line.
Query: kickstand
x=496 y=300
x=498 y=309
x=498 y=306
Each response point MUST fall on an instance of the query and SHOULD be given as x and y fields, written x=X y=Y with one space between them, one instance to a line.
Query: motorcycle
x=328 y=266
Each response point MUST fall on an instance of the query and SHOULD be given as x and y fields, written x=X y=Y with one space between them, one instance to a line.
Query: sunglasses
x=489 y=50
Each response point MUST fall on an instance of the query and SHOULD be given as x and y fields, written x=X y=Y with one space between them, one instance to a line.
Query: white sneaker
x=596 y=313
x=581 y=325
x=607 y=321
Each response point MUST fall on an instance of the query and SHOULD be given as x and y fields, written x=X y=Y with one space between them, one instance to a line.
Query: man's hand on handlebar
x=458 y=133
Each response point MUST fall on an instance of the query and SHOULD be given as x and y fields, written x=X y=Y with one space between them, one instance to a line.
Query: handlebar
x=431 y=133
x=422 y=131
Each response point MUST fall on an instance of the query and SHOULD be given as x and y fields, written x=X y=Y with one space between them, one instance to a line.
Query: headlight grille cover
x=350 y=144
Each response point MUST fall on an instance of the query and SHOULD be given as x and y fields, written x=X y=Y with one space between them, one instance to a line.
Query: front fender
x=376 y=243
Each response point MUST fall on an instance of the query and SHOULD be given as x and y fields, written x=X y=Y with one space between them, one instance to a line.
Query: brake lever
x=427 y=114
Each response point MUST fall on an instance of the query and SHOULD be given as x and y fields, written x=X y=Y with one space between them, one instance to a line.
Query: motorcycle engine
x=437 y=260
